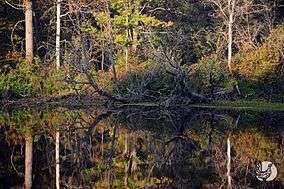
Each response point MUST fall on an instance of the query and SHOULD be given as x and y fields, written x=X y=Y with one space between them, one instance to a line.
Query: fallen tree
x=181 y=94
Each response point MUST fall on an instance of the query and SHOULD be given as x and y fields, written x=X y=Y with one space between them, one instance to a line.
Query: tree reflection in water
x=140 y=148
x=28 y=161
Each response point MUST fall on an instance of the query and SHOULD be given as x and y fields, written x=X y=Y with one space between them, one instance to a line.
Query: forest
x=135 y=51
x=148 y=94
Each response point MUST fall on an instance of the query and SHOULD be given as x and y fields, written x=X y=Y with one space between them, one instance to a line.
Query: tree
x=28 y=5
x=57 y=46
x=237 y=17
x=121 y=24
x=231 y=11
x=57 y=54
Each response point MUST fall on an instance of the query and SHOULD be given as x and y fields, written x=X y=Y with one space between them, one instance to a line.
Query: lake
x=141 y=147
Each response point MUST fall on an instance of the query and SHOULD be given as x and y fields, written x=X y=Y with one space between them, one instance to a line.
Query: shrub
x=260 y=71
x=211 y=76
x=150 y=80
x=260 y=65
x=33 y=80
x=264 y=63
x=22 y=81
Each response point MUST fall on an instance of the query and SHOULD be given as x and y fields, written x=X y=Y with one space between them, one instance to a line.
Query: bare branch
x=15 y=6
x=12 y=33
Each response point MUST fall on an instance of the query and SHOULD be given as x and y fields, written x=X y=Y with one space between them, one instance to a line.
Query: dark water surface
x=139 y=148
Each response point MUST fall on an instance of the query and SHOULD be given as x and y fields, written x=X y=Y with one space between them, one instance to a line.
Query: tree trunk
x=230 y=34
x=57 y=45
x=28 y=162
x=231 y=6
x=134 y=40
x=29 y=30
x=126 y=59
x=126 y=48
x=57 y=161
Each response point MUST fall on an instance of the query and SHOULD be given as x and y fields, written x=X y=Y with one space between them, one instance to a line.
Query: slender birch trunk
x=28 y=4
x=231 y=7
x=230 y=44
x=57 y=161
x=57 y=45
x=126 y=48
x=57 y=54
x=28 y=162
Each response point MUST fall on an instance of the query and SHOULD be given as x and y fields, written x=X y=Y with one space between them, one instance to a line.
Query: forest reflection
x=138 y=148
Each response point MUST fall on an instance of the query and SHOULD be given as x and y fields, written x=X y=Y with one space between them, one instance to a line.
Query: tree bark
x=230 y=46
x=57 y=45
x=28 y=4
x=231 y=6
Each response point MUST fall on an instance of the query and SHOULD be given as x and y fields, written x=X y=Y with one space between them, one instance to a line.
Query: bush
x=212 y=76
x=260 y=71
x=260 y=65
x=146 y=81
x=264 y=63
x=33 y=80
x=21 y=81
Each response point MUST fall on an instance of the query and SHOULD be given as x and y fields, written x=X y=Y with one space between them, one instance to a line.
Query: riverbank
x=88 y=101
x=55 y=101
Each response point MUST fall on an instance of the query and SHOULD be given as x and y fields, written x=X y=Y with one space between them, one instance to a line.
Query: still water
x=140 y=148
